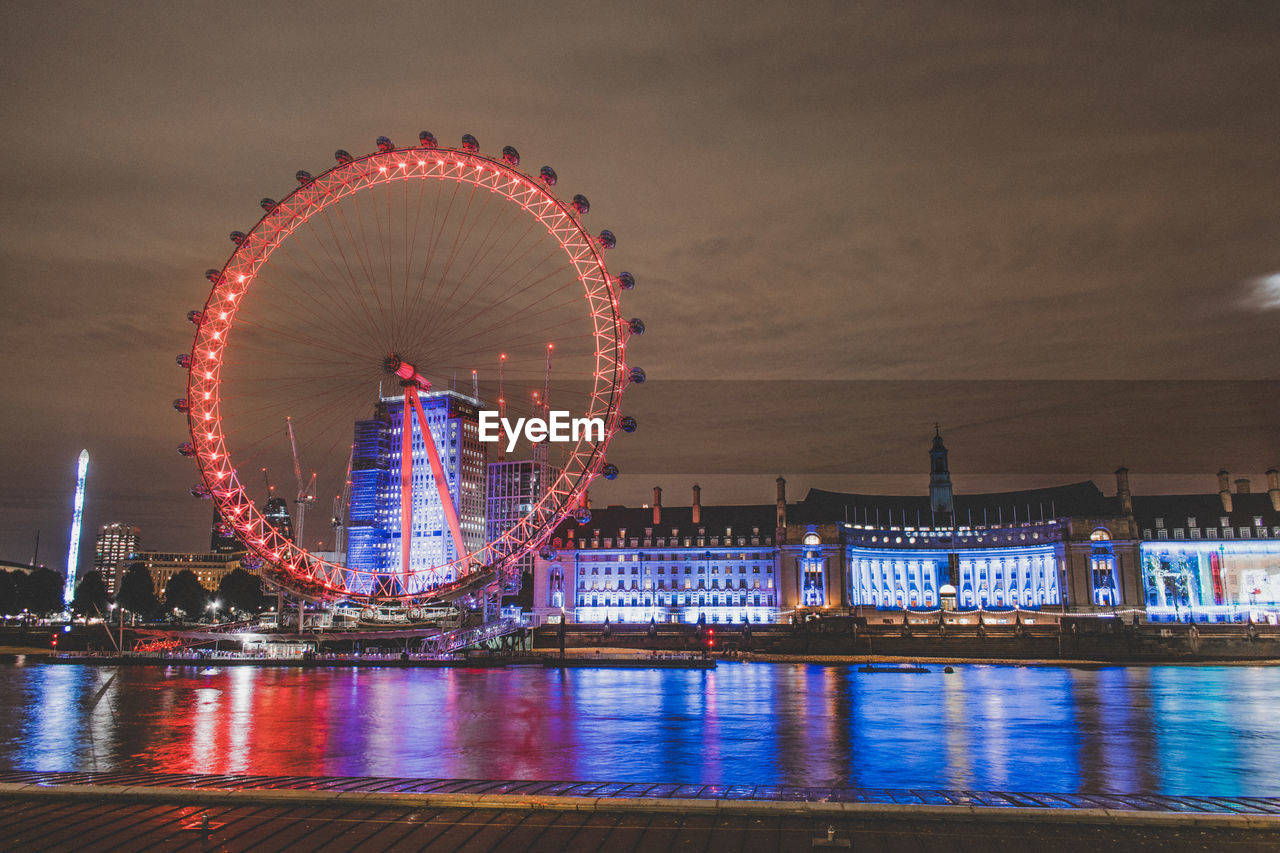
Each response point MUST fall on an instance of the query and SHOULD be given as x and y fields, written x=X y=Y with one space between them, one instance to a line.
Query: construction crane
x=341 y=503
x=305 y=492
x=542 y=408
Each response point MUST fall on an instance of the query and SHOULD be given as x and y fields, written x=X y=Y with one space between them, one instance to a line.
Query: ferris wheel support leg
x=406 y=486
x=437 y=474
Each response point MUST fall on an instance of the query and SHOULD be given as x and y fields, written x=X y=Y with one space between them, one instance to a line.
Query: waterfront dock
x=159 y=811
x=630 y=661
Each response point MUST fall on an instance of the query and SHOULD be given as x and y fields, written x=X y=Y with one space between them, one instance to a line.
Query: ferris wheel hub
x=408 y=374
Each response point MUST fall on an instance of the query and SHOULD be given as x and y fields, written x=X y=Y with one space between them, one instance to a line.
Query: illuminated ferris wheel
x=362 y=336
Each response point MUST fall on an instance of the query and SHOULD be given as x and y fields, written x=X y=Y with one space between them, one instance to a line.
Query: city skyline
x=873 y=194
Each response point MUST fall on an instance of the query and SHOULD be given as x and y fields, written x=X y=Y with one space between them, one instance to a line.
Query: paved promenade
x=137 y=811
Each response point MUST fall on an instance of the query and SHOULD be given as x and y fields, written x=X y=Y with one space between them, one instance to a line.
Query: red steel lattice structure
x=293 y=567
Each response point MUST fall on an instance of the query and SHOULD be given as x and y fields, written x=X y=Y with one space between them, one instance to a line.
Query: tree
x=91 y=595
x=10 y=594
x=137 y=592
x=243 y=591
x=184 y=592
x=41 y=592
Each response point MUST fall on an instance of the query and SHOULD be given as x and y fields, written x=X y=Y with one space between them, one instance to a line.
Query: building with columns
x=1068 y=548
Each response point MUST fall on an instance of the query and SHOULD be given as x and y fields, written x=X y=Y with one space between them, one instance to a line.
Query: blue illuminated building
x=1068 y=549
x=1212 y=557
x=373 y=534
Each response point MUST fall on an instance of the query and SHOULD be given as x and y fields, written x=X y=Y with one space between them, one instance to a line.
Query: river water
x=1210 y=730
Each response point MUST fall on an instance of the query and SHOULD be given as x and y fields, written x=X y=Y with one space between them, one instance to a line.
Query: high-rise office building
x=514 y=488
x=222 y=537
x=373 y=535
x=115 y=543
x=277 y=515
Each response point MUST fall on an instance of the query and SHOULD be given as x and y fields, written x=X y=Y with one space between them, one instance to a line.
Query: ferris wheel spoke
x=366 y=261
x=481 y=251
x=512 y=318
x=310 y=341
x=355 y=286
x=524 y=282
x=343 y=298
x=511 y=312
x=504 y=264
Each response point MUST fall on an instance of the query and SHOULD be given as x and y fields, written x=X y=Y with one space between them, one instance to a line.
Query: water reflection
x=1175 y=730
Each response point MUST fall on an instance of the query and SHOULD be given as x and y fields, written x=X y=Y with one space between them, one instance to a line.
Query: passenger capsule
x=194 y=317
x=182 y=405
x=385 y=144
x=581 y=204
x=304 y=177
x=201 y=491
x=184 y=361
x=469 y=143
x=610 y=471
x=626 y=281
x=427 y=139
x=187 y=449
x=636 y=376
x=547 y=175
x=268 y=204
x=583 y=515
x=511 y=155
x=636 y=325
x=627 y=424
x=342 y=157
x=546 y=552
x=238 y=237
x=213 y=275
x=607 y=240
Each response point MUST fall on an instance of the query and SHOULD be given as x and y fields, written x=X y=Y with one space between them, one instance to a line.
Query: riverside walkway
x=158 y=811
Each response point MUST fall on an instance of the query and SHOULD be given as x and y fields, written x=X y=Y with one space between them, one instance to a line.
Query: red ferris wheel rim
x=293 y=566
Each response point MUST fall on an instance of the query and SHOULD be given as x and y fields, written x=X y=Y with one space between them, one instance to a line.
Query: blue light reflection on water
x=1166 y=729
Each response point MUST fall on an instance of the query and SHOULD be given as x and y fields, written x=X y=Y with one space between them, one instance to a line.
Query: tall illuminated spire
x=73 y=551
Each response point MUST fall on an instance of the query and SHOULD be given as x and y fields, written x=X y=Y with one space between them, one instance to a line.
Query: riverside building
x=1068 y=549
x=115 y=543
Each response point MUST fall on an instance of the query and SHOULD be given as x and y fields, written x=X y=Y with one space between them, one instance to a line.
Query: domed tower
x=941 y=499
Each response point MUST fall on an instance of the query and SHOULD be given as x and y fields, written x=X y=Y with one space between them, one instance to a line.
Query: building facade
x=662 y=564
x=1212 y=557
x=114 y=545
x=373 y=532
x=1069 y=548
x=209 y=569
x=514 y=487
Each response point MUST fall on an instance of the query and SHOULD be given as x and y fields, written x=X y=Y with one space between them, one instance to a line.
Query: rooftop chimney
x=657 y=504
x=1224 y=489
x=1242 y=486
x=1273 y=488
x=586 y=499
x=1122 y=490
x=697 y=504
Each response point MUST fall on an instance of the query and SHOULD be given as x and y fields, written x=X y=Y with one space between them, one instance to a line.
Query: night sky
x=1051 y=228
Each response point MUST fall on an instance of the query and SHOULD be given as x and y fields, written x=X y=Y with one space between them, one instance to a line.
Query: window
x=1159 y=523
